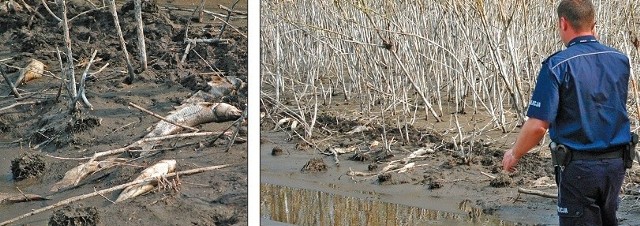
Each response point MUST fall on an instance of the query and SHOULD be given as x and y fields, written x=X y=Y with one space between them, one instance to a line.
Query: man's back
x=592 y=85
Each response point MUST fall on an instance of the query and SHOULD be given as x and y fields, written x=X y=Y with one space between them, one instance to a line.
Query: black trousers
x=588 y=192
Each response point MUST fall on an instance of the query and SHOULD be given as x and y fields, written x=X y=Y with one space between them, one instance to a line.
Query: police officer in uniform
x=580 y=98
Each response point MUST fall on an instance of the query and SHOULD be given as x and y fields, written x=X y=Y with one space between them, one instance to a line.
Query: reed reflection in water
x=308 y=207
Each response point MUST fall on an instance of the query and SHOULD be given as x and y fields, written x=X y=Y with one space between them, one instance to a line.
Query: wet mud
x=39 y=123
x=425 y=170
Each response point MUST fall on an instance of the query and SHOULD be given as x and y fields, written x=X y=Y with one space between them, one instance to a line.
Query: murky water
x=309 y=207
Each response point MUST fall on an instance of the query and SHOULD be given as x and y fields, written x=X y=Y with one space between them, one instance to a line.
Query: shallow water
x=308 y=207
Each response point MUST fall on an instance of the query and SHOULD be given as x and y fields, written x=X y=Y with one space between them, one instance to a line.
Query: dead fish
x=159 y=169
x=33 y=70
x=340 y=151
x=73 y=176
x=406 y=167
x=418 y=153
x=224 y=86
x=294 y=125
x=195 y=114
x=282 y=122
x=359 y=129
x=6 y=198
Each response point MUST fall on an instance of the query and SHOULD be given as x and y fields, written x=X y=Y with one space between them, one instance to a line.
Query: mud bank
x=438 y=179
x=41 y=124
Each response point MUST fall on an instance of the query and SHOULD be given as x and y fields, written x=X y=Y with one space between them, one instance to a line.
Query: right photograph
x=485 y=112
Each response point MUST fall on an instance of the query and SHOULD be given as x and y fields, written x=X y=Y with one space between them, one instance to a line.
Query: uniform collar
x=582 y=39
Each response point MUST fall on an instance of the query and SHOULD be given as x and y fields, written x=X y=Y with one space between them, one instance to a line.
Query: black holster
x=630 y=152
x=560 y=157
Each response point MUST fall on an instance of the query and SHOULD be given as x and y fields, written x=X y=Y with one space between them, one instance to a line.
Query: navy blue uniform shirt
x=582 y=93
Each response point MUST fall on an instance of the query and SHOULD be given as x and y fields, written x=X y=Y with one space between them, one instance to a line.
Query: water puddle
x=308 y=207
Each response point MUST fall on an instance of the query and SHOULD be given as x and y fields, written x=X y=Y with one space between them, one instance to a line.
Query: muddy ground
x=441 y=179
x=44 y=126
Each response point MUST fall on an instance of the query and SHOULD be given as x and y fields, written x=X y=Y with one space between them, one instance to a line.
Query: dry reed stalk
x=69 y=70
x=465 y=57
x=123 y=45
x=142 y=49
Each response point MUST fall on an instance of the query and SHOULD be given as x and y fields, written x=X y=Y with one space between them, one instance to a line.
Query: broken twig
x=13 y=87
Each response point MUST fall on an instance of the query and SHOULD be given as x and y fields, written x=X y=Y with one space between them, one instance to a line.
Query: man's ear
x=564 y=24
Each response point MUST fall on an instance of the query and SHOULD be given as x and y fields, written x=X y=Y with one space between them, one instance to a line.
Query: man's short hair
x=579 y=13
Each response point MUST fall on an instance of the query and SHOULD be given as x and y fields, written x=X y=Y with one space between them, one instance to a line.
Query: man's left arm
x=530 y=135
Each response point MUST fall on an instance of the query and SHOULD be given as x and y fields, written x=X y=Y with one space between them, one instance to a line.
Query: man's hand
x=509 y=161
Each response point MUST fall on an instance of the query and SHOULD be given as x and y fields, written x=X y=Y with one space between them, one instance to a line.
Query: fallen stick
x=150 y=139
x=81 y=197
x=210 y=13
x=44 y=3
x=207 y=40
x=13 y=87
x=31 y=10
x=85 y=12
x=99 y=70
x=233 y=11
x=537 y=192
x=162 y=118
x=488 y=175
x=18 y=104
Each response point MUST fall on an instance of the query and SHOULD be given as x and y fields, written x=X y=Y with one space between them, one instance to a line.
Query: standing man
x=581 y=96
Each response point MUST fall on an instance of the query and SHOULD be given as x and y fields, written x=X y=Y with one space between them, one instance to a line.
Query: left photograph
x=125 y=112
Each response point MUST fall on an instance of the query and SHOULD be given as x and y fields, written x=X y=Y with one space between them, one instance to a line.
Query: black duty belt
x=610 y=153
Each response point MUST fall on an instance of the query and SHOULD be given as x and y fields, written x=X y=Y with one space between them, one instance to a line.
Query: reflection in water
x=307 y=207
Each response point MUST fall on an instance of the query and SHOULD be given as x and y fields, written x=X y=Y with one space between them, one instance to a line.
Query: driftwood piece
x=233 y=11
x=78 y=198
x=537 y=192
x=160 y=169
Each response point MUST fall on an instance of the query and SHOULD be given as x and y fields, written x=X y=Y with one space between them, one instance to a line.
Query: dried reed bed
x=403 y=61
